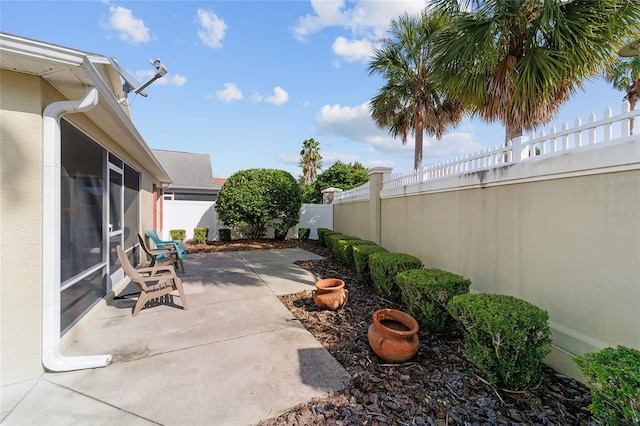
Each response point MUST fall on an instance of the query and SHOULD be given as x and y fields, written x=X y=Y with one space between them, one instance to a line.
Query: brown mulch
x=439 y=387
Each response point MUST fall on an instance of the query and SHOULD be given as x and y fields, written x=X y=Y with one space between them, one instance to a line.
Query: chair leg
x=142 y=300
x=178 y=286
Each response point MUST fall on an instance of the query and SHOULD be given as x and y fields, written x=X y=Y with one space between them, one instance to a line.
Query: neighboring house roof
x=187 y=170
x=70 y=71
x=218 y=182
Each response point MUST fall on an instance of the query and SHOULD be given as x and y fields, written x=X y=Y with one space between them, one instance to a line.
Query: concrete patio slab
x=236 y=356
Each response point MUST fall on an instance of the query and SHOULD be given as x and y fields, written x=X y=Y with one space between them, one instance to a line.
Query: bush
x=331 y=238
x=506 y=337
x=224 y=234
x=178 y=234
x=303 y=233
x=361 y=260
x=322 y=236
x=251 y=199
x=426 y=292
x=346 y=249
x=200 y=235
x=338 y=247
x=384 y=266
x=614 y=382
x=339 y=175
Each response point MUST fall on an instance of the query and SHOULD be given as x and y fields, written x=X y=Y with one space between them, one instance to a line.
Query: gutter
x=52 y=359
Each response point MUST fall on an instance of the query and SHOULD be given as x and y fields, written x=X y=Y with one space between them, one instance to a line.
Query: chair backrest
x=126 y=265
x=144 y=246
x=154 y=237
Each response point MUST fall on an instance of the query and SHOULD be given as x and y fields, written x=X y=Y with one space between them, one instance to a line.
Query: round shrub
x=426 y=292
x=384 y=266
x=251 y=199
x=506 y=337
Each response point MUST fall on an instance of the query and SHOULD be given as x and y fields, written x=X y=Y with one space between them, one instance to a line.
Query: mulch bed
x=439 y=387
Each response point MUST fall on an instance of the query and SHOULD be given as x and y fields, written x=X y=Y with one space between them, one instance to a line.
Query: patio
x=236 y=356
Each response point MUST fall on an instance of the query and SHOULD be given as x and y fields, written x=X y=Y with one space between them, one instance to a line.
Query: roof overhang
x=70 y=71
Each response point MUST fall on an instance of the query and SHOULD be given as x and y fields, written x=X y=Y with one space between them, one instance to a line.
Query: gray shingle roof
x=186 y=169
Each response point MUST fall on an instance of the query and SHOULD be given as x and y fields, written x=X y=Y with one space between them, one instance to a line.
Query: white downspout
x=52 y=359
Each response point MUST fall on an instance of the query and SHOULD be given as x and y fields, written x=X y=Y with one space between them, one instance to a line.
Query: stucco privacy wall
x=353 y=217
x=20 y=226
x=23 y=99
x=568 y=242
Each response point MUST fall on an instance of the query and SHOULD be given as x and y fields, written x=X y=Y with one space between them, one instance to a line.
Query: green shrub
x=178 y=234
x=384 y=266
x=346 y=250
x=303 y=233
x=614 y=382
x=338 y=247
x=506 y=337
x=323 y=235
x=251 y=199
x=361 y=260
x=332 y=238
x=224 y=234
x=426 y=292
x=200 y=235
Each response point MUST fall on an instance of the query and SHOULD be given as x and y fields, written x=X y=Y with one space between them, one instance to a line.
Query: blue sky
x=249 y=81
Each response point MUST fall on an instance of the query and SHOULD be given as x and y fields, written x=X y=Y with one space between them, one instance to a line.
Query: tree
x=624 y=75
x=410 y=101
x=251 y=199
x=518 y=61
x=310 y=160
x=339 y=175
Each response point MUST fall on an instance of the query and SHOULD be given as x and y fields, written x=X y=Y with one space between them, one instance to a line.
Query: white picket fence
x=608 y=130
x=359 y=193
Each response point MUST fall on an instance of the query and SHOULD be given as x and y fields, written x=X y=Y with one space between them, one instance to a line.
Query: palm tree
x=517 y=61
x=310 y=160
x=410 y=102
x=625 y=76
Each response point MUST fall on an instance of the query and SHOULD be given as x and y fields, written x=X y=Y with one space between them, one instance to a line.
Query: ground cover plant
x=440 y=386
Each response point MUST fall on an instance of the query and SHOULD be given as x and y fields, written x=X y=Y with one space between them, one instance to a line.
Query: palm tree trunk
x=511 y=132
x=417 y=155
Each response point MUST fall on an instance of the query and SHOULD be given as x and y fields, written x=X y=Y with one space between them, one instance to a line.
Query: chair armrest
x=154 y=271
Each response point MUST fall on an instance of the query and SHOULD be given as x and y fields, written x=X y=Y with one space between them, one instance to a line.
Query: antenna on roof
x=131 y=84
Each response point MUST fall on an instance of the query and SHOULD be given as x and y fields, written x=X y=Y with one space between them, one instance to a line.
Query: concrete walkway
x=236 y=356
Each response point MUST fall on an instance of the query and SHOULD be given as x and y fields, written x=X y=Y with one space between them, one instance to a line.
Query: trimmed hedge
x=338 y=247
x=426 y=292
x=303 y=233
x=361 y=260
x=323 y=236
x=614 y=382
x=321 y=232
x=506 y=337
x=346 y=249
x=330 y=240
x=200 y=235
x=178 y=234
x=384 y=266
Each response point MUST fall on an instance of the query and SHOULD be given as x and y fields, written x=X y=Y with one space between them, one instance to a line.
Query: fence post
x=376 y=177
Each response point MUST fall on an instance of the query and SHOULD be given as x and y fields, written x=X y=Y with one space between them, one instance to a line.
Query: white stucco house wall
x=76 y=180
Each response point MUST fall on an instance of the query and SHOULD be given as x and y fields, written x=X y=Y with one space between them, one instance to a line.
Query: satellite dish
x=131 y=84
x=631 y=49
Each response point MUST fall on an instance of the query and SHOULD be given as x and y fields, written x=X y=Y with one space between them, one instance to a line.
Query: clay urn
x=393 y=335
x=330 y=294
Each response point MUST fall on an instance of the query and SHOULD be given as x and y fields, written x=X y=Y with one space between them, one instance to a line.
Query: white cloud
x=366 y=21
x=280 y=96
x=288 y=158
x=131 y=30
x=355 y=124
x=230 y=93
x=212 y=29
x=166 y=80
x=328 y=158
x=354 y=50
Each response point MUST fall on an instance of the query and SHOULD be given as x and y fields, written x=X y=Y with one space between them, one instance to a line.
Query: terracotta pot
x=330 y=294
x=393 y=335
